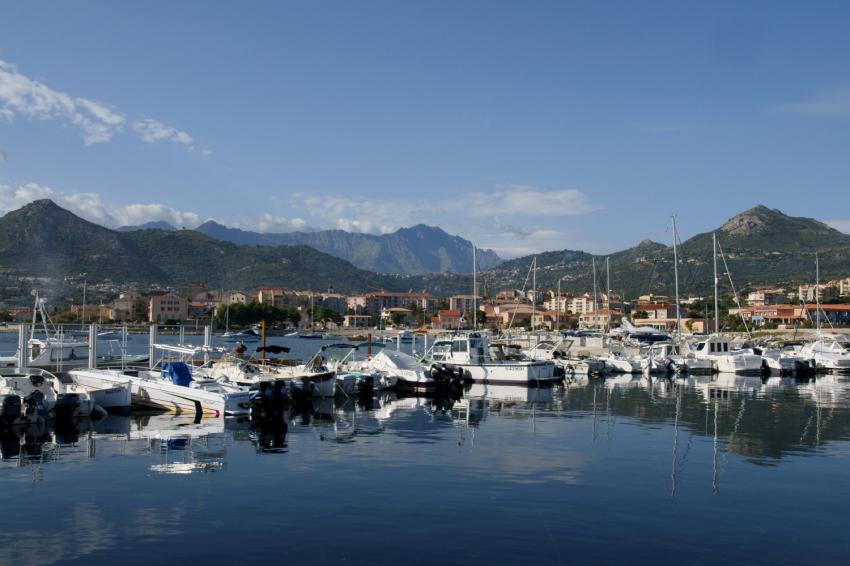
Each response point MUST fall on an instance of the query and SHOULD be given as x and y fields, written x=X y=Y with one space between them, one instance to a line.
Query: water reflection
x=759 y=420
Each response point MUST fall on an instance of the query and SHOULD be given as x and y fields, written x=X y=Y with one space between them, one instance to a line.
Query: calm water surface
x=701 y=471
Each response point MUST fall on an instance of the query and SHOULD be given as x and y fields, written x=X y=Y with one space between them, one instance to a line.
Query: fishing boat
x=716 y=348
x=471 y=358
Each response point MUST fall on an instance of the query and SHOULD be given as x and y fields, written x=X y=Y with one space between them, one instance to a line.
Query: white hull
x=155 y=393
x=742 y=364
x=510 y=373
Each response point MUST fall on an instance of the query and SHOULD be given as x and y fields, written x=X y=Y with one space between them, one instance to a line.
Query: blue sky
x=522 y=126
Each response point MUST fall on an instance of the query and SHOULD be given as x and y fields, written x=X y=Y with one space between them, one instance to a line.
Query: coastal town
x=193 y=304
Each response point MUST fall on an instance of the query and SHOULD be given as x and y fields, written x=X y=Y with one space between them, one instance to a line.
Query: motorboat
x=829 y=353
x=30 y=395
x=171 y=386
x=247 y=335
x=618 y=361
x=784 y=360
x=566 y=363
x=402 y=371
x=473 y=359
x=724 y=359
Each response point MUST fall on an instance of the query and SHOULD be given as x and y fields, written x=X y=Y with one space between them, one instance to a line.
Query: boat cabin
x=714 y=345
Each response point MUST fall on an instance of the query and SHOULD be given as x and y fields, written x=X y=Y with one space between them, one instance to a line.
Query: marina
x=624 y=454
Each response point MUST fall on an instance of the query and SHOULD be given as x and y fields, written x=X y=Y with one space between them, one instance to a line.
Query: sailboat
x=247 y=335
x=830 y=353
x=717 y=348
x=55 y=350
x=312 y=335
x=677 y=351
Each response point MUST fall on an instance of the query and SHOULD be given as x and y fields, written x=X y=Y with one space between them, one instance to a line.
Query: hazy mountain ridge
x=416 y=250
x=42 y=239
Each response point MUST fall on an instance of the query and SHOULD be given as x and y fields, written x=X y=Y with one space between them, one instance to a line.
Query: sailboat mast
x=34 y=317
x=817 y=288
x=84 y=301
x=534 y=290
x=595 y=302
x=474 y=290
x=608 y=290
x=676 y=278
x=716 y=302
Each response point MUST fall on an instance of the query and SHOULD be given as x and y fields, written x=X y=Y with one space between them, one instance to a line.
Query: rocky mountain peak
x=754 y=221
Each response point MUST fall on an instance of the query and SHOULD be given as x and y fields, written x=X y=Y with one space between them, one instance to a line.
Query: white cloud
x=21 y=95
x=386 y=215
x=152 y=131
x=91 y=207
x=524 y=205
x=840 y=225
x=98 y=122
x=526 y=200
x=832 y=103
x=268 y=223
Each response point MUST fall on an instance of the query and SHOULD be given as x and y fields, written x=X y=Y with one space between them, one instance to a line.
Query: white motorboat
x=402 y=371
x=249 y=335
x=32 y=394
x=472 y=357
x=170 y=386
x=829 y=353
x=724 y=359
x=565 y=362
x=617 y=361
x=171 y=389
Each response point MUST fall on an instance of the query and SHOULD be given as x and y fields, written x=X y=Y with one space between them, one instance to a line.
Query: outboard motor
x=66 y=431
x=268 y=398
x=34 y=406
x=10 y=408
x=269 y=434
x=10 y=445
x=67 y=406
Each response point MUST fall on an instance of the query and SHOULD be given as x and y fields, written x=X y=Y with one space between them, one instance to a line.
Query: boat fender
x=98 y=412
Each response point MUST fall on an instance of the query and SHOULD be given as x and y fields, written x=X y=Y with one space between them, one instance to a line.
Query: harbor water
x=729 y=470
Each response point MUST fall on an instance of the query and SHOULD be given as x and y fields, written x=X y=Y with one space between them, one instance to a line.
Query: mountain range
x=761 y=246
x=410 y=251
x=43 y=239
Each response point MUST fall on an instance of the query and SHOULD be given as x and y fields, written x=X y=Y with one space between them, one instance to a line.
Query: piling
x=93 y=346
x=23 y=346
x=152 y=346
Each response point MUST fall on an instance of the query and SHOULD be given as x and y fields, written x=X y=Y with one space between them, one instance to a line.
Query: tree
x=253 y=313
x=398 y=318
x=325 y=314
